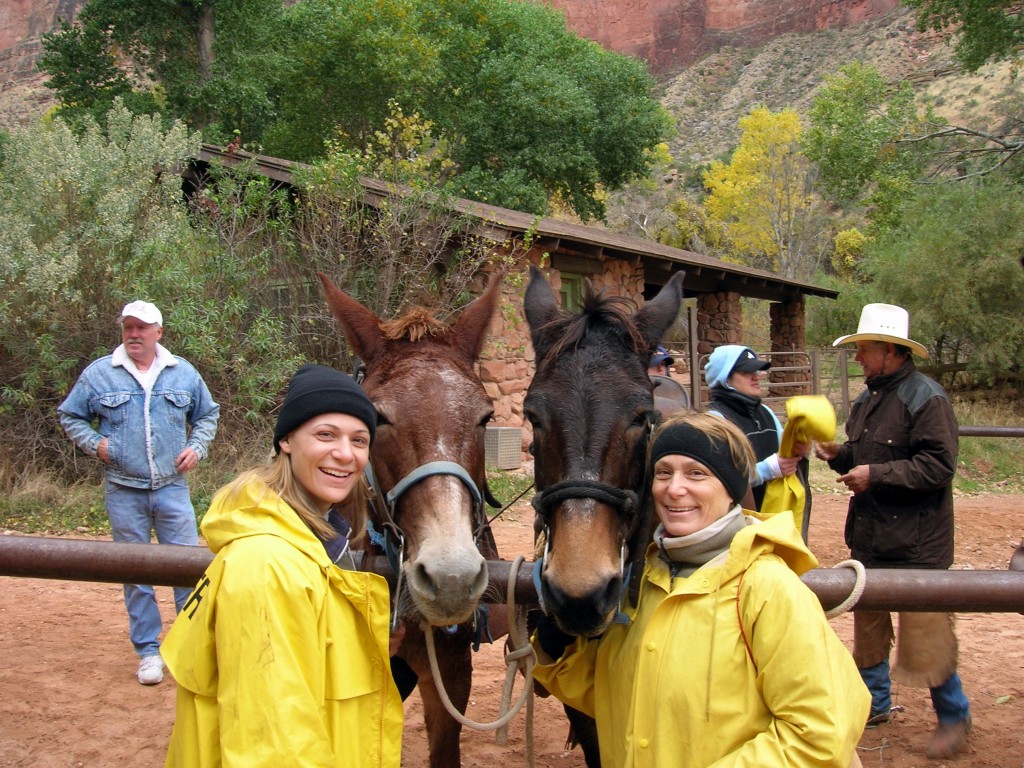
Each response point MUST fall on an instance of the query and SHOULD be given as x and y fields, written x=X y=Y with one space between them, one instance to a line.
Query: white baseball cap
x=144 y=311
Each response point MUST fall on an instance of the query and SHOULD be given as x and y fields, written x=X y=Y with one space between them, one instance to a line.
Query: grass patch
x=505 y=486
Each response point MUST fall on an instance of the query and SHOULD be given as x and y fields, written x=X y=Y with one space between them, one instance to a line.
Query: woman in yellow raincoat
x=728 y=659
x=281 y=657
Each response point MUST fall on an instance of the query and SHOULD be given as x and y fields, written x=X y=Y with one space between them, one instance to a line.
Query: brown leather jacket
x=902 y=425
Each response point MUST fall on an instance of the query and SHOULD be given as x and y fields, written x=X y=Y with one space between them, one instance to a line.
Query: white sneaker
x=151 y=670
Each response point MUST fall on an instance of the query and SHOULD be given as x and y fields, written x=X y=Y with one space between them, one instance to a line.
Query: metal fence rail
x=972 y=591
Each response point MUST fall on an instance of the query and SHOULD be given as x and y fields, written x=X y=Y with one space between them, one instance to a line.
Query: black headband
x=684 y=440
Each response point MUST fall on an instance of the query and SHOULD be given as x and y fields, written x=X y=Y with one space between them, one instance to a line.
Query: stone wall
x=719 y=321
x=789 y=342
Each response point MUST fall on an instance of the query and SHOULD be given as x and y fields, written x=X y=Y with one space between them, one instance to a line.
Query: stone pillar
x=719 y=321
x=789 y=345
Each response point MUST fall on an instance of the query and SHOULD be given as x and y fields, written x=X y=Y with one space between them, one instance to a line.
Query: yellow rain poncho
x=809 y=417
x=281 y=658
x=734 y=665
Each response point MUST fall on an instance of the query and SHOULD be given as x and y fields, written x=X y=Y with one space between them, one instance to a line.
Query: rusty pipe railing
x=885 y=589
x=991 y=431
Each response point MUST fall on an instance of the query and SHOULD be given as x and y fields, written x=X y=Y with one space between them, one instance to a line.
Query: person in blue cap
x=660 y=363
x=733 y=373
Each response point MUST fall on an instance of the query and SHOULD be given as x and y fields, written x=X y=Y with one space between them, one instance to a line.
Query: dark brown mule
x=591 y=405
x=428 y=460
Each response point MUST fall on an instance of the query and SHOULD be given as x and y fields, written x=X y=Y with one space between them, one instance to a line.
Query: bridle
x=392 y=539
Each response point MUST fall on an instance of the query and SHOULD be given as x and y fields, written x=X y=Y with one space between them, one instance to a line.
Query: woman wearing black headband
x=728 y=659
x=281 y=656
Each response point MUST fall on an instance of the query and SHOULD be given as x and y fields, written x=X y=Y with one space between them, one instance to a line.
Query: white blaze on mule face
x=445 y=573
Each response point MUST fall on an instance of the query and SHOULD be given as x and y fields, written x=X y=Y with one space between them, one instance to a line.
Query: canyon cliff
x=671 y=34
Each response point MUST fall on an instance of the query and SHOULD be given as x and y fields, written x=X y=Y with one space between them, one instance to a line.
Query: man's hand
x=101 y=450
x=186 y=460
x=826 y=451
x=857 y=479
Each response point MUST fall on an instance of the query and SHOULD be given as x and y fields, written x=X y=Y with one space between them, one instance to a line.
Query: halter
x=627 y=502
x=392 y=541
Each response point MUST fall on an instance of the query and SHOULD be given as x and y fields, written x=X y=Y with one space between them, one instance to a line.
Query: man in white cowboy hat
x=899 y=460
x=149 y=417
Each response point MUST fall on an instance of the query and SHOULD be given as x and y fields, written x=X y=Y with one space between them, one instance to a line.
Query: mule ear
x=360 y=325
x=540 y=307
x=656 y=316
x=470 y=329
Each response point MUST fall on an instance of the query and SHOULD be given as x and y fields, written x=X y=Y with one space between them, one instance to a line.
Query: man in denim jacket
x=149 y=417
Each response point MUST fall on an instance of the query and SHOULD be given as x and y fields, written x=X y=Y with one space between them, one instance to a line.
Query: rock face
x=22 y=24
x=675 y=33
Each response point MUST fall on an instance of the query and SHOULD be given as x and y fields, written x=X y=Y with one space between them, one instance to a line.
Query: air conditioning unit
x=502 y=447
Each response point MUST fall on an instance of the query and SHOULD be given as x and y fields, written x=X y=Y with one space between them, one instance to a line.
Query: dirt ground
x=68 y=695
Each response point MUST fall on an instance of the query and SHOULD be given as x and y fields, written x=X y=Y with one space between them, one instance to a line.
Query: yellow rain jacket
x=281 y=658
x=683 y=685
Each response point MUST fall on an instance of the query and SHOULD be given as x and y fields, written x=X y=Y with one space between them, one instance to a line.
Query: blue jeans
x=134 y=514
x=949 y=700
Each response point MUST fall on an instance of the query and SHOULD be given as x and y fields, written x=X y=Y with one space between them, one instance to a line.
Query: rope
x=520 y=657
x=855 y=594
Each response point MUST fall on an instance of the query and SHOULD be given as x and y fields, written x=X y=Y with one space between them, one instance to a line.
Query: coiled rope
x=521 y=657
x=855 y=594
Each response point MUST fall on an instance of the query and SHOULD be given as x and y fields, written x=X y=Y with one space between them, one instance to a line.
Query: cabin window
x=572 y=292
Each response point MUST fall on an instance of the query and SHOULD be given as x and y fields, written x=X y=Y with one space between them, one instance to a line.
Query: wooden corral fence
x=974 y=591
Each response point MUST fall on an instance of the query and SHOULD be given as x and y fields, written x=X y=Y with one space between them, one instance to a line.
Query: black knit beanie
x=316 y=389
x=684 y=440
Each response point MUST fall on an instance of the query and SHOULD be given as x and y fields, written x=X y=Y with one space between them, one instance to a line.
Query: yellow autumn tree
x=762 y=196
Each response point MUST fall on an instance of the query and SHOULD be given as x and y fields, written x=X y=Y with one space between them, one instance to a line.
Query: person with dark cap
x=733 y=373
x=727 y=658
x=660 y=363
x=669 y=396
x=281 y=653
x=899 y=460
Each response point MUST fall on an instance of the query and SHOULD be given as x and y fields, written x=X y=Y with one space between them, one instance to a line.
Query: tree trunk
x=206 y=34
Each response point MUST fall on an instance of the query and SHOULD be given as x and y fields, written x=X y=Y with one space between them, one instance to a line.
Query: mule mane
x=599 y=310
x=413 y=325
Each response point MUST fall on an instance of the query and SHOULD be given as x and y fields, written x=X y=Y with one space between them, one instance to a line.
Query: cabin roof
x=586 y=243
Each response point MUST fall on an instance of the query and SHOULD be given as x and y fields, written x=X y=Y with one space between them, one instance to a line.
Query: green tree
x=763 y=194
x=985 y=29
x=857 y=123
x=211 y=63
x=527 y=110
x=959 y=275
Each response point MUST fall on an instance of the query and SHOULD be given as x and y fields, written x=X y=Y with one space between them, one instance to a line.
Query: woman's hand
x=395 y=641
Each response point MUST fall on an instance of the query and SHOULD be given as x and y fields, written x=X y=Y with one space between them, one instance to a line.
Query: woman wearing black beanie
x=281 y=656
x=727 y=658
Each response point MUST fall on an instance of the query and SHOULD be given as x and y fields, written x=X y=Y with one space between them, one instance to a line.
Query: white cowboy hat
x=884 y=322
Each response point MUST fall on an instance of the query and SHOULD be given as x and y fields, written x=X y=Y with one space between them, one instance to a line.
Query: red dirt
x=68 y=695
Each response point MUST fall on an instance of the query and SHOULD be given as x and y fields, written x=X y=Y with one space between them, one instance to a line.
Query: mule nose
x=586 y=615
